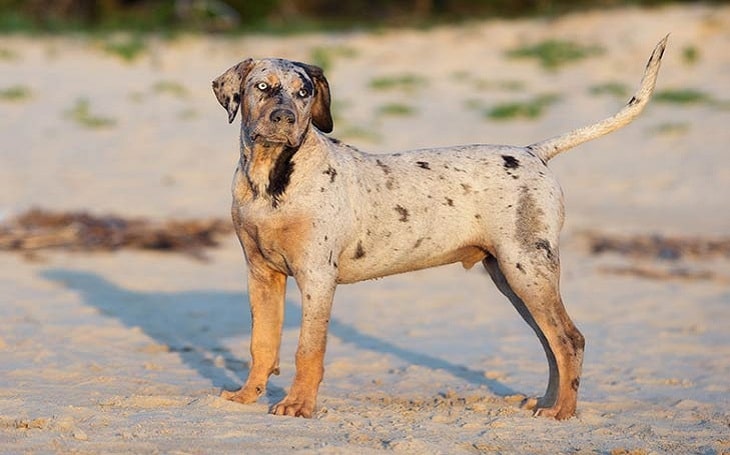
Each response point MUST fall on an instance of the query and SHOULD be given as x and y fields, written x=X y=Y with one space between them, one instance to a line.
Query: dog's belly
x=378 y=266
x=398 y=242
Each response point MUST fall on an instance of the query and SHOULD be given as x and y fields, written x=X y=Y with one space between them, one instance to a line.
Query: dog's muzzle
x=282 y=117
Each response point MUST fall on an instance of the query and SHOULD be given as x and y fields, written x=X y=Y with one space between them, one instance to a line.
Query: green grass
x=616 y=89
x=353 y=132
x=396 y=110
x=7 y=54
x=188 y=114
x=126 y=47
x=553 y=54
x=324 y=57
x=510 y=85
x=460 y=75
x=81 y=114
x=530 y=109
x=15 y=93
x=683 y=96
x=671 y=128
x=171 y=88
x=406 y=82
x=690 y=55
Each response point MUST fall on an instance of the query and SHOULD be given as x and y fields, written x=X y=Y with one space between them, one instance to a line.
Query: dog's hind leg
x=532 y=285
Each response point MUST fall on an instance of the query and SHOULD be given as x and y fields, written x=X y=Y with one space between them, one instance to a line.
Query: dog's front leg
x=266 y=288
x=316 y=307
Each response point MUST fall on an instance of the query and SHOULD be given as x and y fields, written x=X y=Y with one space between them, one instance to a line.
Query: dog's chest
x=277 y=236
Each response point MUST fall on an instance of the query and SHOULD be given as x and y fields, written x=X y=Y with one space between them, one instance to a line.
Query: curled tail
x=548 y=148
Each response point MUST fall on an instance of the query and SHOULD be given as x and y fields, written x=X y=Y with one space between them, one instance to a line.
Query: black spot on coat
x=543 y=244
x=383 y=166
x=332 y=172
x=359 y=251
x=575 y=383
x=423 y=165
x=280 y=174
x=403 y=212
x=510 y=162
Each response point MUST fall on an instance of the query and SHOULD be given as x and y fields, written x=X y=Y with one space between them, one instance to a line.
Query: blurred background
x=242 y=15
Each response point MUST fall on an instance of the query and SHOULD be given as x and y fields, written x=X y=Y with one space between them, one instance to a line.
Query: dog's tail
x=548 y=148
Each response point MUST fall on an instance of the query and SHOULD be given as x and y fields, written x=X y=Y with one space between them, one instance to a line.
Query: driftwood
x=38 y=229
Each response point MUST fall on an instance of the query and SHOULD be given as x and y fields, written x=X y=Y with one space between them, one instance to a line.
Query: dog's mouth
x=273 y=140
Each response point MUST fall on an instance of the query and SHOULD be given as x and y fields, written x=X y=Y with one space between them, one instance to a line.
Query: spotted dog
x=308 y=206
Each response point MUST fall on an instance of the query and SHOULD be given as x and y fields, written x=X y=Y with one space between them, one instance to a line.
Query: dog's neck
x=268 y=167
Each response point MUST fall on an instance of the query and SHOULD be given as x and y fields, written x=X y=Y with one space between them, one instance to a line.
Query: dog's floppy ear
x=321 y=115
x=228 y=87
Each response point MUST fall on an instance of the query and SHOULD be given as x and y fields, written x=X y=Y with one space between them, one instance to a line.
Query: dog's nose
x=282 y=115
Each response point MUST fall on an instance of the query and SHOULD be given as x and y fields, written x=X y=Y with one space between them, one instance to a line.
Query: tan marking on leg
x=266 y=289
x=302 y=396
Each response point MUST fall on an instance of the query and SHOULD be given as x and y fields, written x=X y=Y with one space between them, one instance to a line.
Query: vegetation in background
x=15 y=93
x=396 y=109
x=358 y=133
x=283 y=16
x=7 y=54
x=554 y=53
x=407 y=82
x=671 y=128
x=81 y=114
x=690 y=55
x=324 y=57
x=616 y=89
x=682 y=96
x=690 y=96
x=127 y=47
x=510 y=85
x=172 y=88
x=529 y=109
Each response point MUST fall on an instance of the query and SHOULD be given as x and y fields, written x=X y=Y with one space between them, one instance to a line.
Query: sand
x=127 y=352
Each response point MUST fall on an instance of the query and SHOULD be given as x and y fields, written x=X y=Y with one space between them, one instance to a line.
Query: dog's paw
x=530 y=403
x=294 y=407
x=555 y=412
x=540 y=408
x=244 y=395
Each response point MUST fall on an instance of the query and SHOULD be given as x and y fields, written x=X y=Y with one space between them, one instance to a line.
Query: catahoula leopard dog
x=306 y=205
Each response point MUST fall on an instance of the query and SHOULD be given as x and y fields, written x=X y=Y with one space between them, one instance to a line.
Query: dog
x=308 y=206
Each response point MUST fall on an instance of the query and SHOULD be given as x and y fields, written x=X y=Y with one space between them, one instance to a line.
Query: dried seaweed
x=661 y=257
x=657 y=246
x=39 y=229
x=664 y=273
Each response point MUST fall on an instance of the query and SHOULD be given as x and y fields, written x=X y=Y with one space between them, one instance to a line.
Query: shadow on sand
x=196 y=324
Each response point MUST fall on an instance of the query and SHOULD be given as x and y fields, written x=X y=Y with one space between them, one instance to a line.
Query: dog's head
x=278 y=99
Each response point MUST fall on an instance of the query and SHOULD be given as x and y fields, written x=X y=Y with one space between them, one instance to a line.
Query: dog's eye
x=263 y=86
x=303 y=93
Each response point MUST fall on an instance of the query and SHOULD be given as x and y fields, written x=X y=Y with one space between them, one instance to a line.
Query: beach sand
x=126 y=352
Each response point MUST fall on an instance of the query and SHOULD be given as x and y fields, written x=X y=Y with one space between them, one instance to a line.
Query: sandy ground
x=127 y=352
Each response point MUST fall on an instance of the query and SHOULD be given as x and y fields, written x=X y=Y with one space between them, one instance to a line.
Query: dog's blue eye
x=262 y=86
x=303 y=93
